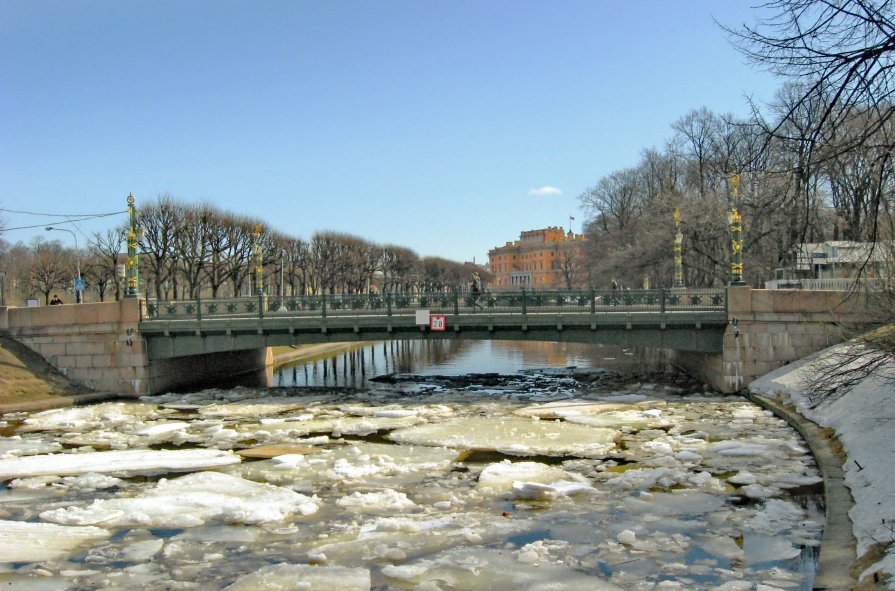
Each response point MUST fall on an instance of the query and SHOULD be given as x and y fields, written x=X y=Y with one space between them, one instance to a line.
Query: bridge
x=692 y=319
x=728 y=336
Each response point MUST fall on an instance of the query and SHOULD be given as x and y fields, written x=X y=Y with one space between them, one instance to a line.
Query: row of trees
x=192 y=250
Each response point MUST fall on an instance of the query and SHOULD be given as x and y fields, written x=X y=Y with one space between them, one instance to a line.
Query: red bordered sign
x=437 y=322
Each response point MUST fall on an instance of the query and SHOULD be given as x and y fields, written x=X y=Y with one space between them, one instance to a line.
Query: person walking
x=56 y=300
x=476 y=289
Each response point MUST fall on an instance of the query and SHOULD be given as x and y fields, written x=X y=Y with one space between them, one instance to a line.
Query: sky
x=448 y=127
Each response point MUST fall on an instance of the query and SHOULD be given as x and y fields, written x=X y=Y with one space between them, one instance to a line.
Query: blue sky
x=428 y=124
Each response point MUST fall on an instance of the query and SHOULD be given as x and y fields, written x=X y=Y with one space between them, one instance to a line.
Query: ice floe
x=35 y=542
x=190 y=501
x=129 y=462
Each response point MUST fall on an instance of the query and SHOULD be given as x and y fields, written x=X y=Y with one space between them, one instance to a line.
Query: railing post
x=199 y=309
x=593 y=301
x=323 y=304
x=456 y=302
x=524 y=302
x=662 y=300
x=388 y=302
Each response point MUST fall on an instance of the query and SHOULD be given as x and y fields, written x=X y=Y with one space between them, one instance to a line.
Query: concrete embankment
x=837 y=550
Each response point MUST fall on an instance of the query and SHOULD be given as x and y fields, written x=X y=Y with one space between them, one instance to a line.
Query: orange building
x=548 y=258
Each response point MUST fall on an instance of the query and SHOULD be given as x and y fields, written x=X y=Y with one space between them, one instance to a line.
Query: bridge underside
x=672 y=330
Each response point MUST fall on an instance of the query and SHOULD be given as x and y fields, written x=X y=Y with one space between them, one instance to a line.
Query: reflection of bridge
x=727 y=336
x=687 y=319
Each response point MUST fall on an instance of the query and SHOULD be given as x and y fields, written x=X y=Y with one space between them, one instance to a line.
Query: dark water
x=355 y=366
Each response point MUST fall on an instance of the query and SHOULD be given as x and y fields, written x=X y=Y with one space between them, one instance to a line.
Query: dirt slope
x=26 y=376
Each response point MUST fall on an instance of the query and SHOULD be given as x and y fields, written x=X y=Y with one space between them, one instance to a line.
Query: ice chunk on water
x=84 y=418
x=303 y=577
x=565 y=408
x=387 y=500
x=514 y=436
x=11 y=447
x=722 y=546
x=530 y=480
x=775 y=517
x=767 y=548
x=35 y=542
x=190 y=501
x=161 y=429
x=129 y=462
x=466 y=569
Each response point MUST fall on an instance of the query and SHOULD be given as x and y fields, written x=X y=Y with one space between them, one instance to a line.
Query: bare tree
x=50 y=268
x=105 y=253
x=840 y=51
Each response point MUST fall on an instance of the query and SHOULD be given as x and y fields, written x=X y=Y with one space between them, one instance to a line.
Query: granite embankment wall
x=99 y=346
x=768 y=329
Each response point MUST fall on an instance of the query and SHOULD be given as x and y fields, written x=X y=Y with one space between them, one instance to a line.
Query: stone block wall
x=772 y=328
x=98 y=345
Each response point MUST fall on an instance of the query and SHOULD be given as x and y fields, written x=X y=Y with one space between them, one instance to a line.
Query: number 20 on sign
x=437 y=322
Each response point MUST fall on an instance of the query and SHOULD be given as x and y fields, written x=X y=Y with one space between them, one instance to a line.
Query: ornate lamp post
x=678 y=251
x=259 y=262
x=134 y=232
x=736 y=234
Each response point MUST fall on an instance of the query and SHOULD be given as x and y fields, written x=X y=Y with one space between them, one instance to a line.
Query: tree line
x=198 y=250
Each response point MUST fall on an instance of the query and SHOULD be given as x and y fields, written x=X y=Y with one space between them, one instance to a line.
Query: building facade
x=548 y=258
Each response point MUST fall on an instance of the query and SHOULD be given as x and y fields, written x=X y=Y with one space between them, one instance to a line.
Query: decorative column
x=736 y=234
x=259 y=262
x=132 y=272
x=678 y=251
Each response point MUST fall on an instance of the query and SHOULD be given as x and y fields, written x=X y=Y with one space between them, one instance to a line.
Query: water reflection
x=356 y=365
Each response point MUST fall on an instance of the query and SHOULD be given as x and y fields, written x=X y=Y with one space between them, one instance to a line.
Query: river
x=415 y=466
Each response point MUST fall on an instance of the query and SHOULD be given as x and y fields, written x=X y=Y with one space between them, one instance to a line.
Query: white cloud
x=546 y=190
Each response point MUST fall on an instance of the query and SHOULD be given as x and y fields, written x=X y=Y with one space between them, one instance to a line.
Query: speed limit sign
x=437 y=322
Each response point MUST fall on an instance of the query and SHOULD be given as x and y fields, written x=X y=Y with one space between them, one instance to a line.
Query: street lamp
x=78 y=283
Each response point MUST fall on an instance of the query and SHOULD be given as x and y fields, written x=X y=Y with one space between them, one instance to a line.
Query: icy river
x=539 y=468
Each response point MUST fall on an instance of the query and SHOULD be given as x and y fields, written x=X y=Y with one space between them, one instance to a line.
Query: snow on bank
x=863 y=420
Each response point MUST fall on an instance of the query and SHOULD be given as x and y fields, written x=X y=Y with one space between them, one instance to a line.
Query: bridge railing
x=392 y=304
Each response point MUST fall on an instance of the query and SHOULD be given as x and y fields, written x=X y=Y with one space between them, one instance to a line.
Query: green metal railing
x=393 y=304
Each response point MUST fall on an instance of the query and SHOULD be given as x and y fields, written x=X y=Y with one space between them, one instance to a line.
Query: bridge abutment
x=99 y=346
x=771 y=328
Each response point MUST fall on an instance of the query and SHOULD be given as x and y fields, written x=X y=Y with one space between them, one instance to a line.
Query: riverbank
x=861 y=421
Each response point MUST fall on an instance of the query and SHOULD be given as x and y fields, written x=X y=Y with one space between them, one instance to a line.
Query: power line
x=65 y=215
x=82 y=219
